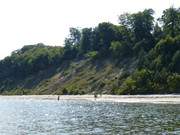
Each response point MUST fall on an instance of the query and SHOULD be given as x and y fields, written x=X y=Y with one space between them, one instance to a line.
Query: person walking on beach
x=95 y=96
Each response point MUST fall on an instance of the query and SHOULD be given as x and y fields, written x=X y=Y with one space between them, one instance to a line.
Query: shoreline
x=166 y=99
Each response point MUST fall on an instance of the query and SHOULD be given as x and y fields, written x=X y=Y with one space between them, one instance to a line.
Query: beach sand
x=167 y=99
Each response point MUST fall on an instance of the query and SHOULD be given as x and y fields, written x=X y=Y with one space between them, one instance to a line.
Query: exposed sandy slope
x=174 y=99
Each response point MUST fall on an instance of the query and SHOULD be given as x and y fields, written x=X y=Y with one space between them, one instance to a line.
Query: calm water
x=45 y=117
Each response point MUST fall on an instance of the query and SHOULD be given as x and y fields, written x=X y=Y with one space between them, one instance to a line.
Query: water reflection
x=44 y=117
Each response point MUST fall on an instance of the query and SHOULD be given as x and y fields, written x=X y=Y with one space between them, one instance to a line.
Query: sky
x=25 y=22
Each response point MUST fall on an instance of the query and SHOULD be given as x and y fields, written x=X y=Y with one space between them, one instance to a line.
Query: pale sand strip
x=171 y=99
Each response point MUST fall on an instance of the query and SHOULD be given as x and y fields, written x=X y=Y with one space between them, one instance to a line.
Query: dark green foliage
x=139 y=82
x=64 y=91
x=142 y=24
x=157 y=33
x=120 y=49
x=28 y=61
x=92 y=55
x=176 y=61
x=71 y=44
x=86 y=40
x=171 y=21
x=173 y=83
x=144 y=59
x=126 y=20
x=105 y=34
x=31 y=59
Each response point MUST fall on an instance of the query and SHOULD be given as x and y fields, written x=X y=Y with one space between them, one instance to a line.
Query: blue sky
x=24 y=22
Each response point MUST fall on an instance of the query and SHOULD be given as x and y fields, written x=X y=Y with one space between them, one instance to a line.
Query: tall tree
x=86 y=40
x=72 y=43
x=142 y=24
x=157 y=32
x=171 y=21
x=125 y=20
x=105 y=33
x=74 y=37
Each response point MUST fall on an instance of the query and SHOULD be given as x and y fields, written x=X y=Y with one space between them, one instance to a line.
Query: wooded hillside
x=141 y=55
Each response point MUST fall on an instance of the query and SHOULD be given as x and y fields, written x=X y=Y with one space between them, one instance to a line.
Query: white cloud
x=25 y=22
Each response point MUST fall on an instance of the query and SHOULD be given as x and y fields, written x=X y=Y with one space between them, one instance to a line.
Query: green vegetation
x=141 y=55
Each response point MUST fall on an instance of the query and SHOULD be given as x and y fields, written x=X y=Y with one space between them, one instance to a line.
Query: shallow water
x=78 y=117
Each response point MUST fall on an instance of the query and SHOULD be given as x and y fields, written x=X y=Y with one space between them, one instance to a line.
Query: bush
x=64 y=91
x=119 y=49
x=174 y=83
x=92 y=55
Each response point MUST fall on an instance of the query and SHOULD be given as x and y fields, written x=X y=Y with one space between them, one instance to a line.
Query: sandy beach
x=168 y=99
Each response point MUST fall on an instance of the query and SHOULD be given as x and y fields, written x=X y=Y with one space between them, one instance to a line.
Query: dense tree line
x=29 y=60
x=154 y=43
